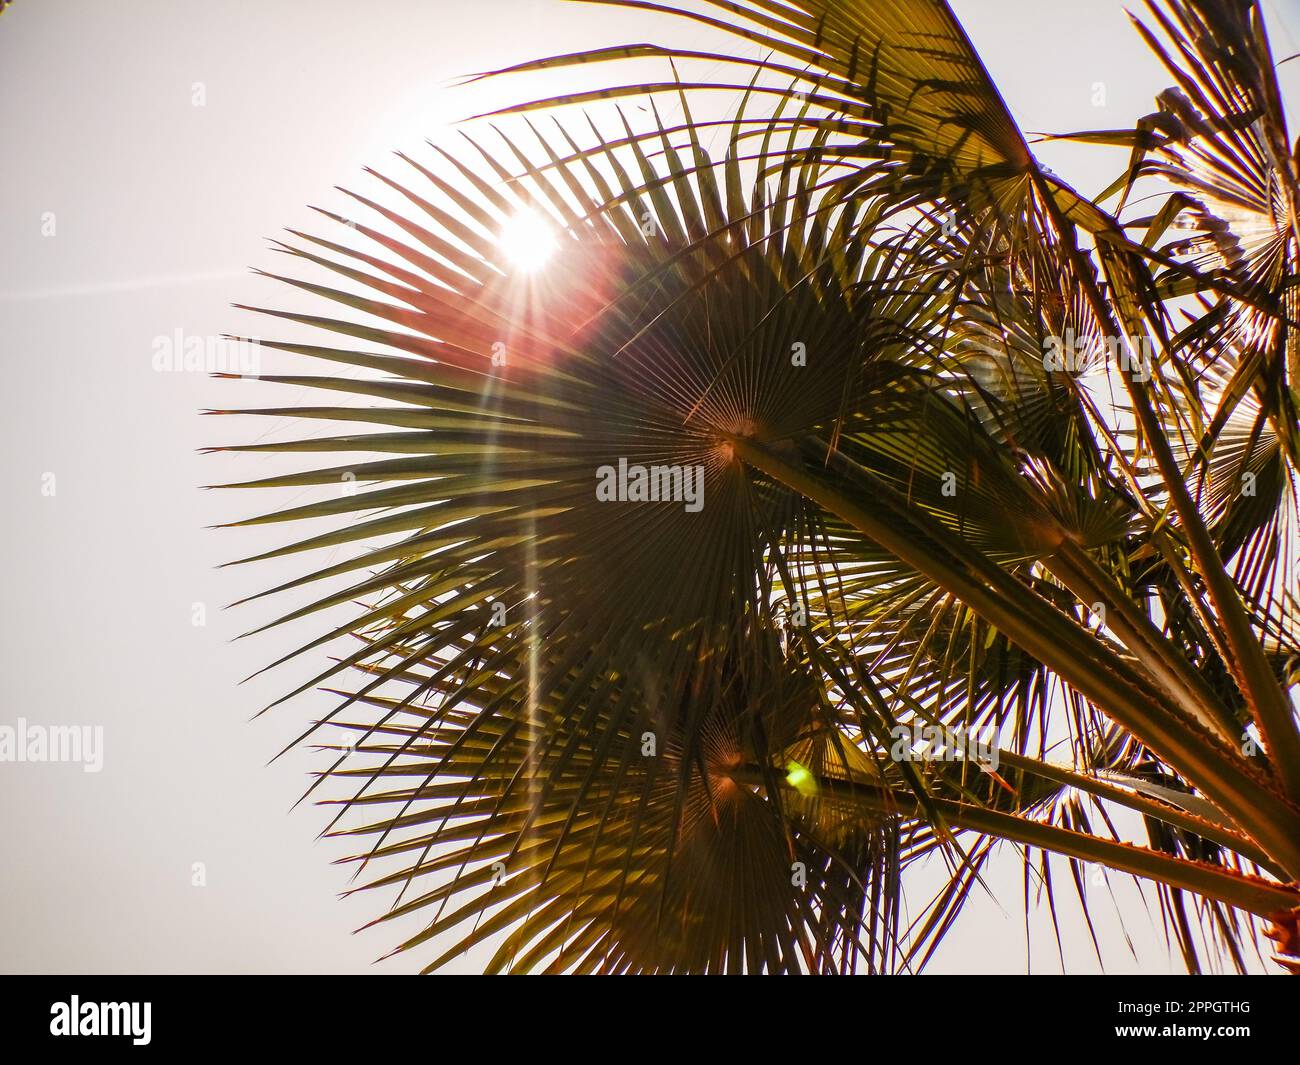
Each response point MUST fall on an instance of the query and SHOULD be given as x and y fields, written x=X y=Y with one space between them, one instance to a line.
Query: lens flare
x=528 y=241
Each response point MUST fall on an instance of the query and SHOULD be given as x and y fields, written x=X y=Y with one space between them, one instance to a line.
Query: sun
x=528 y=240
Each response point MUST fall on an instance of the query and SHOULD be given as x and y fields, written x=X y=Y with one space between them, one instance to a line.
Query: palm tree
x=981 y=457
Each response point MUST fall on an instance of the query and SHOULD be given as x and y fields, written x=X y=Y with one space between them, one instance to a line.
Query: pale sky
x=159 y=208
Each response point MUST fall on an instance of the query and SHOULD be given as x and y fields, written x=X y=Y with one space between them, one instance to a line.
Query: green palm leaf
x=659 y=735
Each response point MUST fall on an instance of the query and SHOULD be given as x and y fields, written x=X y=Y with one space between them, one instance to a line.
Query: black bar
x=443 y=1015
